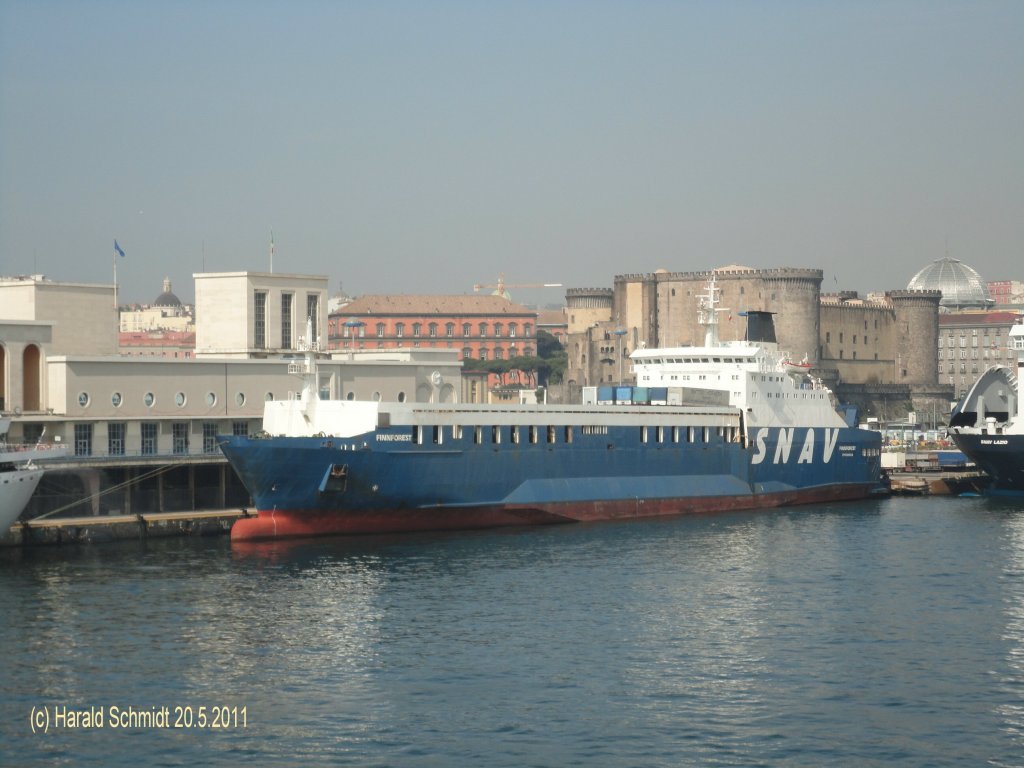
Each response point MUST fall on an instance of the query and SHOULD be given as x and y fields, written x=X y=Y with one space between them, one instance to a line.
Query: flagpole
x=115 y=288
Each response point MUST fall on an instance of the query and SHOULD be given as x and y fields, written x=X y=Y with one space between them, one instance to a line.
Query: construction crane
x=501 y=287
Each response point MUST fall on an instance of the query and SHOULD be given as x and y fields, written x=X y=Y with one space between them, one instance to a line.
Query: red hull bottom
x=279 y=524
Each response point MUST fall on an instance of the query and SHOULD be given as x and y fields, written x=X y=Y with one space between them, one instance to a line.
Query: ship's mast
x=707 y=312
x=307 y=369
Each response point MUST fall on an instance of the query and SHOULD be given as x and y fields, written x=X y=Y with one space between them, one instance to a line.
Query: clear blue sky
x=427 y=146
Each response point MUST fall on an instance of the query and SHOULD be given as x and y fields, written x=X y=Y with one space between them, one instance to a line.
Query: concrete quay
x=101 y=529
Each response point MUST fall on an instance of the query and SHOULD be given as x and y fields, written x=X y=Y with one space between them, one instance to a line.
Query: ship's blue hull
x=387 y=480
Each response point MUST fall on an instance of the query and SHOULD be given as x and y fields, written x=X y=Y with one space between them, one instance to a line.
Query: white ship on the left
x=19 y=474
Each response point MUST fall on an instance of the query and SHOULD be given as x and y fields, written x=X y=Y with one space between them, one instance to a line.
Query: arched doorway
x=31 y=368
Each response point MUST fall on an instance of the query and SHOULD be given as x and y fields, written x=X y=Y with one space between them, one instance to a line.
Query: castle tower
x=586 y=307
x=917 y=334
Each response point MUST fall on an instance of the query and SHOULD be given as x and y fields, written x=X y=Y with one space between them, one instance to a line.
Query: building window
x=467 y=353
x=83 y=439
x=527 y=330
x=115 y=399
x=483 y=329
x=483 y=354
x=149 y=435
x=513 y=330
x=180 y=399
x=399 y=330
x=417 y=328
x=286 y=321
x=179 y=432
x=209 y=437
x=239 y=428
x=115 y=438
x=497 y=329
x=313 y=313
x=380 y=330
x=449 y=329
x=149 y=398
x=83 y=399
x=466 y=329
x=259 y=329
x=498 y=354
x=432 y=330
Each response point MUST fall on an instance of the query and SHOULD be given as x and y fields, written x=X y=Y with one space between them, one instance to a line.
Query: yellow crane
x=501 y=287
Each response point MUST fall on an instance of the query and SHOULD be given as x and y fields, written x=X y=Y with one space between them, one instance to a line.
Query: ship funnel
x=760 y=326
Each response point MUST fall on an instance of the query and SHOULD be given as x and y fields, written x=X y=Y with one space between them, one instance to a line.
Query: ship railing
x=299 y=369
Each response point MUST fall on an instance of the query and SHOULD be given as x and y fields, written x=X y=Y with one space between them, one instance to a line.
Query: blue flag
x=118 y=249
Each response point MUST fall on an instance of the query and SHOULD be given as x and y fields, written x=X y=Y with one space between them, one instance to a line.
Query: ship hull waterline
x=276 y=524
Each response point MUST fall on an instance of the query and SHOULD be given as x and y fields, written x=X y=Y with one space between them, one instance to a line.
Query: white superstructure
x=757 y=377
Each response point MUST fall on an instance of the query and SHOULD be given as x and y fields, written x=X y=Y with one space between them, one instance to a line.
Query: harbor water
x=881 y=633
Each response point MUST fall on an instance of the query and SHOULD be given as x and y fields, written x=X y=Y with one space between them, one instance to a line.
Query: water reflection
x=890 y=632
x=1011 y=707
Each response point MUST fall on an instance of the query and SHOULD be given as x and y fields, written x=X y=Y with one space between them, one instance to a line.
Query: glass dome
x=961 y=286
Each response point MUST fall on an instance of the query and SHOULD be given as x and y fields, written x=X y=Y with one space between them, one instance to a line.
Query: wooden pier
x=96 y=529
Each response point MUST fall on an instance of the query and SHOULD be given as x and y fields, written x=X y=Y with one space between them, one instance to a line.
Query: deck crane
x=501 y=287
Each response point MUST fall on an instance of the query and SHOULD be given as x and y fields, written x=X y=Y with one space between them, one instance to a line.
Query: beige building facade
x=106 y=404
x=274 y=307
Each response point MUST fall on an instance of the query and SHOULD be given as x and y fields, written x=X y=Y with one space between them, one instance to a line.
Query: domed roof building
x=961 y=286
x=167 y=299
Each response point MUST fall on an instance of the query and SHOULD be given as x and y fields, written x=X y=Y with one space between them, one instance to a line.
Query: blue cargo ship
x=736 y=427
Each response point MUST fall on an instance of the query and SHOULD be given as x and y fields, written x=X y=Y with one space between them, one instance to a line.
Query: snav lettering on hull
x=784 y=446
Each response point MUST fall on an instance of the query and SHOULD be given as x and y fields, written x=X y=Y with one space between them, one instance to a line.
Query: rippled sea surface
x=869 y=634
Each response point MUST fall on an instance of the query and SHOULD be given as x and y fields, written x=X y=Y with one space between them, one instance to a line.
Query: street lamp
x=620 y=332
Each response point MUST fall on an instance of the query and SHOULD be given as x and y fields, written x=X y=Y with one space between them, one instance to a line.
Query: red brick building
x=480 y=327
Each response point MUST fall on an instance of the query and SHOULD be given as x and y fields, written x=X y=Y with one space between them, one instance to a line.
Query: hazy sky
x=428 y=146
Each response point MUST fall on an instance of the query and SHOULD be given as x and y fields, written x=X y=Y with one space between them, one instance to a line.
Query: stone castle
x=878 y=353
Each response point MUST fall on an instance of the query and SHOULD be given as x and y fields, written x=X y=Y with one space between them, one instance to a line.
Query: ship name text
x=784 y=446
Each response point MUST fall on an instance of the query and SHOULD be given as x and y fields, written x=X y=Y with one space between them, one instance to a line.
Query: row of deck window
x=551 y=434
